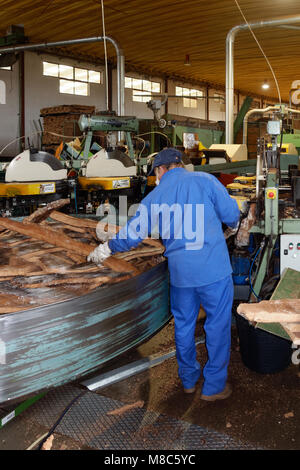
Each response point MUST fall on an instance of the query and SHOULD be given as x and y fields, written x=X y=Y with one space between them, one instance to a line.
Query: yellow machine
x=105 y=183
x=288 y=149
x=112 y=170
x=245 y=180
x=26 y=189
x=32 y=178
x=241 y=201
x=242 y=189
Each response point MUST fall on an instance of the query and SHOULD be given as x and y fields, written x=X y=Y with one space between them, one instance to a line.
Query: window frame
x=219 y=98
x=75 y=81
x=129 y=83
x=191 y=100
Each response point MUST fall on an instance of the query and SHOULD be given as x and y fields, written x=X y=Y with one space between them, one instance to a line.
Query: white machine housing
x=289 y=252
x=35 y=166
x=236 y=152
x=100 y=165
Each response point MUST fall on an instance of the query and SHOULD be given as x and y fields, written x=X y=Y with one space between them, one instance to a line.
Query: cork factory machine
x=108 y=161
x=90 y=174
x=268 y=239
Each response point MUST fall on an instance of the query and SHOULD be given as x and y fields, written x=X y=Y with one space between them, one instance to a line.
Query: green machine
x=169 y=130
x=109 y=170
x=277 y=211
x=293 y=139
x=108 y=123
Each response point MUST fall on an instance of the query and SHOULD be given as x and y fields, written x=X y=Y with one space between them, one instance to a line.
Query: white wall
x=175 y=105
x=134 y=108
x=216 y=107
x=9 y=111
x=42 y=91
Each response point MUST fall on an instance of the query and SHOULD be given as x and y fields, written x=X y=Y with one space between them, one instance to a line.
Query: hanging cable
x=38 y=133
x=46 y=436
x=105 y=54
x=268 y=62
x=156 y=132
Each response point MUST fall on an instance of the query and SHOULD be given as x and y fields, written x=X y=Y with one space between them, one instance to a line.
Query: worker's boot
x=218 y=396
x=189 y=390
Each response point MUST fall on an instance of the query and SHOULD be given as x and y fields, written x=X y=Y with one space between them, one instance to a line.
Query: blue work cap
x=166 y=157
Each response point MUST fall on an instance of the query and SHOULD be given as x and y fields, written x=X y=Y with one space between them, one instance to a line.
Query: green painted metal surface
x=291 y=139
x=174 y=134
x=261 y=274
x=246 y=166
x=206 y=136
x=241 y=114
x=57 y=343
x=271 y=205
x=288 y=159
x=19 y=409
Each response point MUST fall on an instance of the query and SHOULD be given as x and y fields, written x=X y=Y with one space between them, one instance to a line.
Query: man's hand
x=231 y=231
x=99 y=254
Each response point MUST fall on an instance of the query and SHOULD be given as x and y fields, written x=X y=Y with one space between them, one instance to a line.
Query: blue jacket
x=188 y=209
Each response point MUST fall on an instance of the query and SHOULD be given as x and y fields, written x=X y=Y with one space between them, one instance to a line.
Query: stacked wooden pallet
x=62 y=120
x=43 y=260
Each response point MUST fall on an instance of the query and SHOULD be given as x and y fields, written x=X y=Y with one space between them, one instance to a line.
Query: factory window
x=2 y=92
x=219 y=98
x=142 y=89
x=73 y=88
x=191 y=102
x=72 y=80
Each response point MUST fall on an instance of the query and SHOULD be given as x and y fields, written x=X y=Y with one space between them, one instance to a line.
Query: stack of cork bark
x=43 y=259
x=283 y=311
x=256 y=129
x=62 y=120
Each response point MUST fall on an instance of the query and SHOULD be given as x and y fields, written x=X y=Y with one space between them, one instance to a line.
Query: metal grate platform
x=87 y=422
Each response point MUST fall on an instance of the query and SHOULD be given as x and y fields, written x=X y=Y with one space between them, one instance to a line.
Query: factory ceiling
x=157 y=36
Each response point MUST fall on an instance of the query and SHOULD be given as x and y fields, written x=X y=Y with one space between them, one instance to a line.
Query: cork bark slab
x=270 y=311
x=40 y=264
x=48 y=235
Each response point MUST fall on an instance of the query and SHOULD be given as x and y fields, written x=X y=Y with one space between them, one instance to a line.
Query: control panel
x=289 y=252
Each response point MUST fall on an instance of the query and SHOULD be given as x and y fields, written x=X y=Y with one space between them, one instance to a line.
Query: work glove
x=99 y=254
x=231 y=231
x=102 y=235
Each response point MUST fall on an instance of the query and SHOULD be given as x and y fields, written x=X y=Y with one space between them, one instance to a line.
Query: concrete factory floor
x=263 y=411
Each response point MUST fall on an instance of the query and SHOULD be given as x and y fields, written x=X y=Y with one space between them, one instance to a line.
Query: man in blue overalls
x=189 y=209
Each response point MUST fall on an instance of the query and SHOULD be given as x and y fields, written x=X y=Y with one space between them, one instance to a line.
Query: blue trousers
x=216 y=299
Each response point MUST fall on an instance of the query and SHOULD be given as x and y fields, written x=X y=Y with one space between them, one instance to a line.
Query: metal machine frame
x=270 y=225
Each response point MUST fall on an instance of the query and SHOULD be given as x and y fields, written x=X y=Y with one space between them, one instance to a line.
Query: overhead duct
x=229 y=116
x=119 y=52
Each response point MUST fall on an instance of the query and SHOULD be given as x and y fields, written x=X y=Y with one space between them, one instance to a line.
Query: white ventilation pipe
x=262 y=111
x=119 y=52
x=229 y=116
x=249 y=113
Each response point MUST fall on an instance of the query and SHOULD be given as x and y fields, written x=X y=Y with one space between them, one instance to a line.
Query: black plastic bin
x=261 y=351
